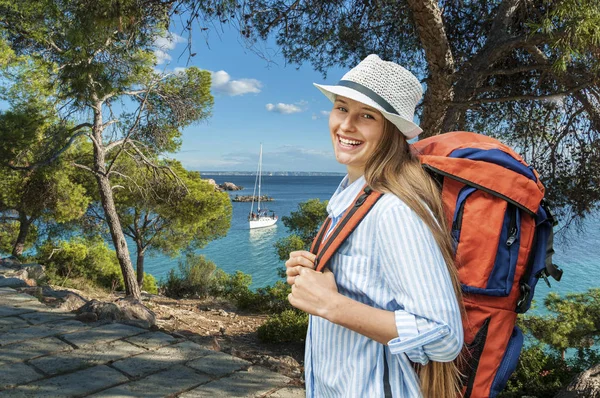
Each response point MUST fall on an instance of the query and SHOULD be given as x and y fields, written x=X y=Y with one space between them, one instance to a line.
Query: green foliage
x=288 y=326
x=304 y=225
x=542 y=373
x=305 y=222
x=574 y=26
x=194 y=278
x=573 y=322
x=149 y=285
x=8 y=236
x=235 y=287
x=80 y=258
x=289 y=244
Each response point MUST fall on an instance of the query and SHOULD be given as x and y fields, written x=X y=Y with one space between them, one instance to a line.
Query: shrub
x=195 y=278
x=149 y=285
x=89 y=259
x=543 y=373
x=289 y=326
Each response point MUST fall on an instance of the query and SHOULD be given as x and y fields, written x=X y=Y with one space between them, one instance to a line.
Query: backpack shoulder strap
x=363 y=203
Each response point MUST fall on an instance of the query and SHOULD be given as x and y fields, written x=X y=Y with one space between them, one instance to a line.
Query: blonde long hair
x=393 y=168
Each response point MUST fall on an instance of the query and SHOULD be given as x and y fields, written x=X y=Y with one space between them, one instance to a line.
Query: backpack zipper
x=512 y=227
x=480 y=187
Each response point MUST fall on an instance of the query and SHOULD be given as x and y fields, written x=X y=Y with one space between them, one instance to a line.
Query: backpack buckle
x=525 y=292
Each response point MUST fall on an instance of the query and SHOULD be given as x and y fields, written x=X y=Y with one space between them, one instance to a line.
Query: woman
x=385 y=317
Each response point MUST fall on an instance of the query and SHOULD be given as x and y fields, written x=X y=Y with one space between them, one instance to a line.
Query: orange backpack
x=502 y=232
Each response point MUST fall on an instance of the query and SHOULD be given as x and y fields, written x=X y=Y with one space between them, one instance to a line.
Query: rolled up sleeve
x=428 y=318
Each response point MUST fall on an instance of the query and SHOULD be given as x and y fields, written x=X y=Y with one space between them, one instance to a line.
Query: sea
x=253 y=251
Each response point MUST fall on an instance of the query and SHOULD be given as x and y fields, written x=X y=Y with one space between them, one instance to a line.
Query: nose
x=349 y=124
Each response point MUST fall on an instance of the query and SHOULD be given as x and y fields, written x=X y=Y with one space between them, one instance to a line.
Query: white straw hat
x=385 y=86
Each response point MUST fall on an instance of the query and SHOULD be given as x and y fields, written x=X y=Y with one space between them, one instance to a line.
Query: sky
x=255 y=101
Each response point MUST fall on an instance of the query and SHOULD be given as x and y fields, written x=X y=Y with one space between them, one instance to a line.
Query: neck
x=355 y=173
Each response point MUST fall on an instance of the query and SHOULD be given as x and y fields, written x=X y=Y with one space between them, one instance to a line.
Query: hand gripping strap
x=352 y=217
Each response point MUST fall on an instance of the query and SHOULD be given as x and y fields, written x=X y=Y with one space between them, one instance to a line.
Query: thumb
x=327 y=271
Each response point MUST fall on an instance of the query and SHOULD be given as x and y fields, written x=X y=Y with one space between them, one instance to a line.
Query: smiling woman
x=356 y=130
x=388 y=301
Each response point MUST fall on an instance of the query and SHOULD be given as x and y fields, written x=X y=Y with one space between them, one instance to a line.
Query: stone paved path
x=47 y=353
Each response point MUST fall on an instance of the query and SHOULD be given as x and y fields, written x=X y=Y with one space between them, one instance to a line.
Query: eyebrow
x=364 y=107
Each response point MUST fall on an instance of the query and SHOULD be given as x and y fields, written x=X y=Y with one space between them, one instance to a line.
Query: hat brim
x=406 y=127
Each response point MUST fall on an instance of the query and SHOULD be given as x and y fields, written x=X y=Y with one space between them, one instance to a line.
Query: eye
x=341 y=109
x=368 y=116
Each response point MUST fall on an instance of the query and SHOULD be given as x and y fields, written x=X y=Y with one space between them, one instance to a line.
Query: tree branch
x=523 y=97
x=53 y=157
x=82 y=167
x=520 y=69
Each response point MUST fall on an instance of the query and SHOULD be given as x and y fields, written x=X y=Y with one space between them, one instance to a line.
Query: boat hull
x=262 y=222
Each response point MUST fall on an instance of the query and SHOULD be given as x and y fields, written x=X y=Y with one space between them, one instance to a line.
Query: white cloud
x=164 y=44
x=179 y=69
x=283 y=108
x=325 y=113
x=314 y=117
x=222 y=83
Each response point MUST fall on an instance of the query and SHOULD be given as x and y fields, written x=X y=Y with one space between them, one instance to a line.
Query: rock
x=230 y=186
x=87 y=317
x=10 y=262
x=585 y=385
x=104 y=311
x=35 y=271
x=213 y=183
x=250 y=198
x=72 y=301
x=223 y=313
x=12 y=282
x=122 y=310
x=135 y=310
x=284 y=364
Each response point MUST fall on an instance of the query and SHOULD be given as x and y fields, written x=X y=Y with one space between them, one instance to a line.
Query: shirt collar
x=344 y=196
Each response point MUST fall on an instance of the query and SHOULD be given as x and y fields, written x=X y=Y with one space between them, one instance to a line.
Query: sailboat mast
x=259 y=175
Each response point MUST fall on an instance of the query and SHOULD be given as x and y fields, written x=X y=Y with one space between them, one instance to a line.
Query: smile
x=348 y=142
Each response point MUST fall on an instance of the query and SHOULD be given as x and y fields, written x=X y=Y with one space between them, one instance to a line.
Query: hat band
x=369 y=93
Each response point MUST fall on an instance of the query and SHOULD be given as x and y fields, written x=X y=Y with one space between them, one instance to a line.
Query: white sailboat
x=261 y=218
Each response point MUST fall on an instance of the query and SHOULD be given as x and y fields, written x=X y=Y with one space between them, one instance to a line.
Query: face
x=355 y=129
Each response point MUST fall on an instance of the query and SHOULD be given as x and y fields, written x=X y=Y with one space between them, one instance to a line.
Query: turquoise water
x=252 y=251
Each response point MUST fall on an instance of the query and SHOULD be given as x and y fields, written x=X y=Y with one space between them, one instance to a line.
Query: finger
x=303 y=253
x=327 y=271
x=293 y=271
x=302 y=261
x=291 y=280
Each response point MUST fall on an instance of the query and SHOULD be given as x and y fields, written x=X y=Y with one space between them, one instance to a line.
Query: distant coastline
x=273 y=173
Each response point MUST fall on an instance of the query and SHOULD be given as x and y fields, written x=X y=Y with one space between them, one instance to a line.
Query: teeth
x=349 y=142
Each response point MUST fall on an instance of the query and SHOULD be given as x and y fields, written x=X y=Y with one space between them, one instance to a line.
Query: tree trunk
x=432 y=34
x=132 y=289
x=139 y=265
x=24 y=225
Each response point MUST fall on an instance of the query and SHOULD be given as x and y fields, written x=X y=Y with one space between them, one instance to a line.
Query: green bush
x=82 y=261
x=149 y=285
x=195 y=278
x=542 y=373
x=288 y=326
x=80 y=258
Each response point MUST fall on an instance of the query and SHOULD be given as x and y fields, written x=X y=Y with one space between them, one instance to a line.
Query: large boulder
x=11 y=269
x=585 y=385
x=124 y=310
x=230 y=186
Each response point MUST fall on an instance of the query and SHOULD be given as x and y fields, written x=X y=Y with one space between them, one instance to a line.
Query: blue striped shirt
x=391 y=261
